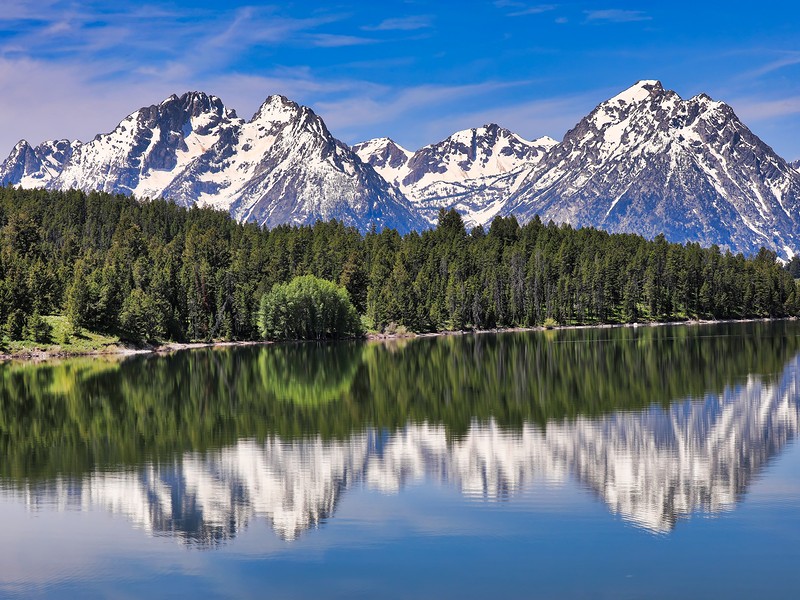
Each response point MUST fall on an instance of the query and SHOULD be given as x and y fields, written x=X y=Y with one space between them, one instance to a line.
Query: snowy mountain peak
x=35 y=167
x=278 y=109
x=283 y=166
x=471 y=153
x=386 y=156
x=381 y=144
x=645 y=161
x=545 y=142
x=472 y=170
x=20 y=147
x=649 y=162
x=641 y=90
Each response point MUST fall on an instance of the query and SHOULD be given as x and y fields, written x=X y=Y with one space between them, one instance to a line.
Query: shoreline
x=383 y=336
x=126 y=350
x=170 y=347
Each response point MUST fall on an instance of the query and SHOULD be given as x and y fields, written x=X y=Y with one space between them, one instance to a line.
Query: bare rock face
x=282 y=166
x=647 y=161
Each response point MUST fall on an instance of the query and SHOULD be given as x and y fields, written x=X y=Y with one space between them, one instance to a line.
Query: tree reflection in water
x=659 y=422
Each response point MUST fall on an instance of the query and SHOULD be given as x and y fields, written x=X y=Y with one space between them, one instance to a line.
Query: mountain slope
x=648 y=162
x=282 y=166
x=473 y=170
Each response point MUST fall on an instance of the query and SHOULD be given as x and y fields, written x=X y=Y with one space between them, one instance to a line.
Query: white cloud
x=533 y=10
x=615 y=15
x=760 y=109
x=329 y=40
x=402 y=24
x=788 y=60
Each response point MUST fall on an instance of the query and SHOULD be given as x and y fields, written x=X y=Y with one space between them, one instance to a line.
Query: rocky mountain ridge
x=473 y=171
x=645 y=161
x=282 y=166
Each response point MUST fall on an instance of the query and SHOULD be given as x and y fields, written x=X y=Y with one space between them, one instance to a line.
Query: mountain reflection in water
x=651 y=466
x=658 y=422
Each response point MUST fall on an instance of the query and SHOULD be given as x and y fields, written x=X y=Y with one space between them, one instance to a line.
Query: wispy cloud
x=761 y=109
x=519 y=9
x=330 y=40
x=788 y=60
x=533 y=10
x=434 y=109
x=616 y=15
x=85 y=68
x=412 y=23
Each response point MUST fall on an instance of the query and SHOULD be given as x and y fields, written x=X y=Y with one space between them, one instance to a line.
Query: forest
x=152 y=270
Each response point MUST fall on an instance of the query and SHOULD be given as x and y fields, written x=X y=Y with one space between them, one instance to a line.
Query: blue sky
x=414 y=71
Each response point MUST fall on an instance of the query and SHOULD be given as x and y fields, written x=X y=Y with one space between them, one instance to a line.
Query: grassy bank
x=62 y=341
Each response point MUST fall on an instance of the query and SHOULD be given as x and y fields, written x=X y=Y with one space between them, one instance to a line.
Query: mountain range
x=474 y=171
x=644 y=161
x=281 y=166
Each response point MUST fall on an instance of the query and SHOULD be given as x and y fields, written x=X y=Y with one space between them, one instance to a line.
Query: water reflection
x=651 y=466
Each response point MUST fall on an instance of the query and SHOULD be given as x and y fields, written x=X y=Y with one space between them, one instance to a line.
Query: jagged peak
x=707 y=102
x=169 y=99
x=379 y=143
x=486 y=130
x=494 y=131
x=197 y=103
x=20 y=146
x=278 y=108
x=638 y=92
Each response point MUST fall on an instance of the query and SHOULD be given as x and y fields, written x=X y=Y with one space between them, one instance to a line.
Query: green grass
x=63 y=341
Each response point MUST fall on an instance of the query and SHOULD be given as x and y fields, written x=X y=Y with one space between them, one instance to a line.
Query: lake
x=655 y=462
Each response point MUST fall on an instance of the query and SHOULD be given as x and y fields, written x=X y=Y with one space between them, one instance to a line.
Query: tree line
x=153 y=270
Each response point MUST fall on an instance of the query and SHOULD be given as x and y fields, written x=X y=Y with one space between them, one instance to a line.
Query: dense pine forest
x=155 y=271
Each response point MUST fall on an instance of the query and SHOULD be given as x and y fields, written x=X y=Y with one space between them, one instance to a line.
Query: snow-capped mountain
x=652 y=467
x=36 y=167
x=473 y=171
x=282 y=166
x=645 y=161
x=649 y=162
x=795 y=165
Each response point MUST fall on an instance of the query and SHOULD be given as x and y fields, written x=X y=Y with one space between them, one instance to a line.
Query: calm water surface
x=613 y=463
